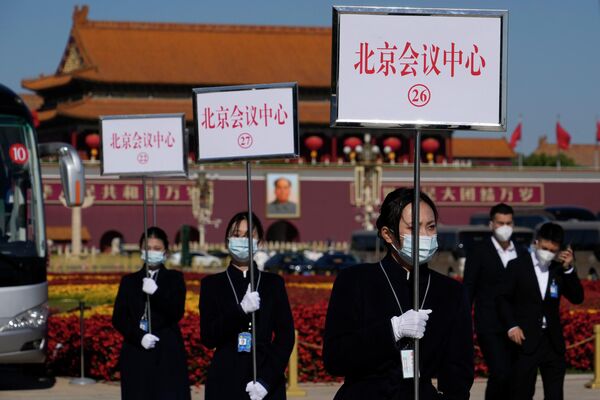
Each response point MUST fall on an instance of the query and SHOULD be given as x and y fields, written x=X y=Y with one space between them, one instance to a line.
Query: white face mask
x=503 y=233
x=155 y=257
x=544 y=257
x=238 y=248
x=427 y=247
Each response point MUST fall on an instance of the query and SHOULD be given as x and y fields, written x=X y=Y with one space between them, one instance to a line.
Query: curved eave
x=315 y=113
x=46 y=82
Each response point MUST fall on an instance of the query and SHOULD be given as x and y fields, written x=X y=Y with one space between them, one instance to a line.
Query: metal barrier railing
x=595 y=384
x=293 y=390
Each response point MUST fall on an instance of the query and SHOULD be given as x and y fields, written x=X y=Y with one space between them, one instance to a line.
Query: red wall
x=325 y=209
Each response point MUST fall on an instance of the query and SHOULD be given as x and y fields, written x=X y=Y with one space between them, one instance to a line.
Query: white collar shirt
x=541 y=273
x=505 y=255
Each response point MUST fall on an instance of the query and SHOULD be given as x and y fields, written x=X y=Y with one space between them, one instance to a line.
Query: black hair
x=280 y=179
x=157 y=233
x=243 y=216
x=551 y=231
x=500 y=208
x=393 y=205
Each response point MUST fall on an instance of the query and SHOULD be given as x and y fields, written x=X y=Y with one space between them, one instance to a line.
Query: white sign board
x=144 y=145
x=419 y=68
x=246 y=122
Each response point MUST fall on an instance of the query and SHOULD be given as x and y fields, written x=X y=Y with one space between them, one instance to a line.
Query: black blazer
x=159 y=373
x=222 y=319
x=359 y=341
x=483 y=273
x=520 y=302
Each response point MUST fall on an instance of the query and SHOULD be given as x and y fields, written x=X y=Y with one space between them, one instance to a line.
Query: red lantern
x=352 y=142
x=393 y=143
x=36 y=119
x=92 y=140
x=313 y=143
x=430 y=145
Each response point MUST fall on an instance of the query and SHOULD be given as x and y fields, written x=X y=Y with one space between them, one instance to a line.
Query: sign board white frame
x=167 y=164
x=381 y=102
x=277 y=142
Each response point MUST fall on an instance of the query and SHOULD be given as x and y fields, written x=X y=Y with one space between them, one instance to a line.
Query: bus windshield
x=22 y=237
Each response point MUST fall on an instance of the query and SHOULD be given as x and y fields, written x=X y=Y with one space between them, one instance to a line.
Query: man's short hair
x=282 y=179
x=551 y=231
x=501 y=208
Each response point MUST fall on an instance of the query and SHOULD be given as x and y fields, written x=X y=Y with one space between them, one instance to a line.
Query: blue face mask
x=155 y=257
x=427 y=247
x=238 y=248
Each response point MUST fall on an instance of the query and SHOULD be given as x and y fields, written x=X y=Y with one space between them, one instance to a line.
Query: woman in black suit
x=153 y=359
x=226 y=305
x=371 y=326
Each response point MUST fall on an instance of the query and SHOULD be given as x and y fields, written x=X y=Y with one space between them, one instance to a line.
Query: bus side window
x=2 y=219
x=18 y=216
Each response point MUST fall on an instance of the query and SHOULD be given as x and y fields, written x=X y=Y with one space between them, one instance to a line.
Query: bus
x=456 y=241
x=23 y=248
x=525 y=217
x=367 y=246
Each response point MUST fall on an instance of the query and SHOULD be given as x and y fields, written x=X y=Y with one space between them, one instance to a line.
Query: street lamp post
x=76 y=225
x=202 y=205
x=367 y=181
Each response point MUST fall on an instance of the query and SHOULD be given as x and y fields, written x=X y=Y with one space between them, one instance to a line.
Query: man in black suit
x=528 y=302
x=484 y=268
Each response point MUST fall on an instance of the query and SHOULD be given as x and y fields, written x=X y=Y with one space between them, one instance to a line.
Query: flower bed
x=308 y=296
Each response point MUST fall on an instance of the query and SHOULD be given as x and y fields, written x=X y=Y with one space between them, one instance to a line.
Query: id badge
x=144 y=325
x=408 y=363
x=554 y=290
x=244 y=342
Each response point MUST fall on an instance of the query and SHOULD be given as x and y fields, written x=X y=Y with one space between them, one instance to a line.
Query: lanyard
x=147 y=304
x=394 y=292
x=233 y=288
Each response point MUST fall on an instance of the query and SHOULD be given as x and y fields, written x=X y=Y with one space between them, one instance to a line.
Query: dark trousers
x=552 y=367
x=498 y=353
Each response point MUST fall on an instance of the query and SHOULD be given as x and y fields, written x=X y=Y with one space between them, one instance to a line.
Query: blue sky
x=553 y=47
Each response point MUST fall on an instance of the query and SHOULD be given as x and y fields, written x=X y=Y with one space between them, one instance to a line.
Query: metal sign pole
x=145 y=205
x=154 y=223
x=415 y=246
x=251 y=262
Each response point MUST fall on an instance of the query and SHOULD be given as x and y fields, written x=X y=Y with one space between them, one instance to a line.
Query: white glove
x=149 y=341
x=256 y=391
x=410 y=324
x=149 y=286
x=251 y=301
